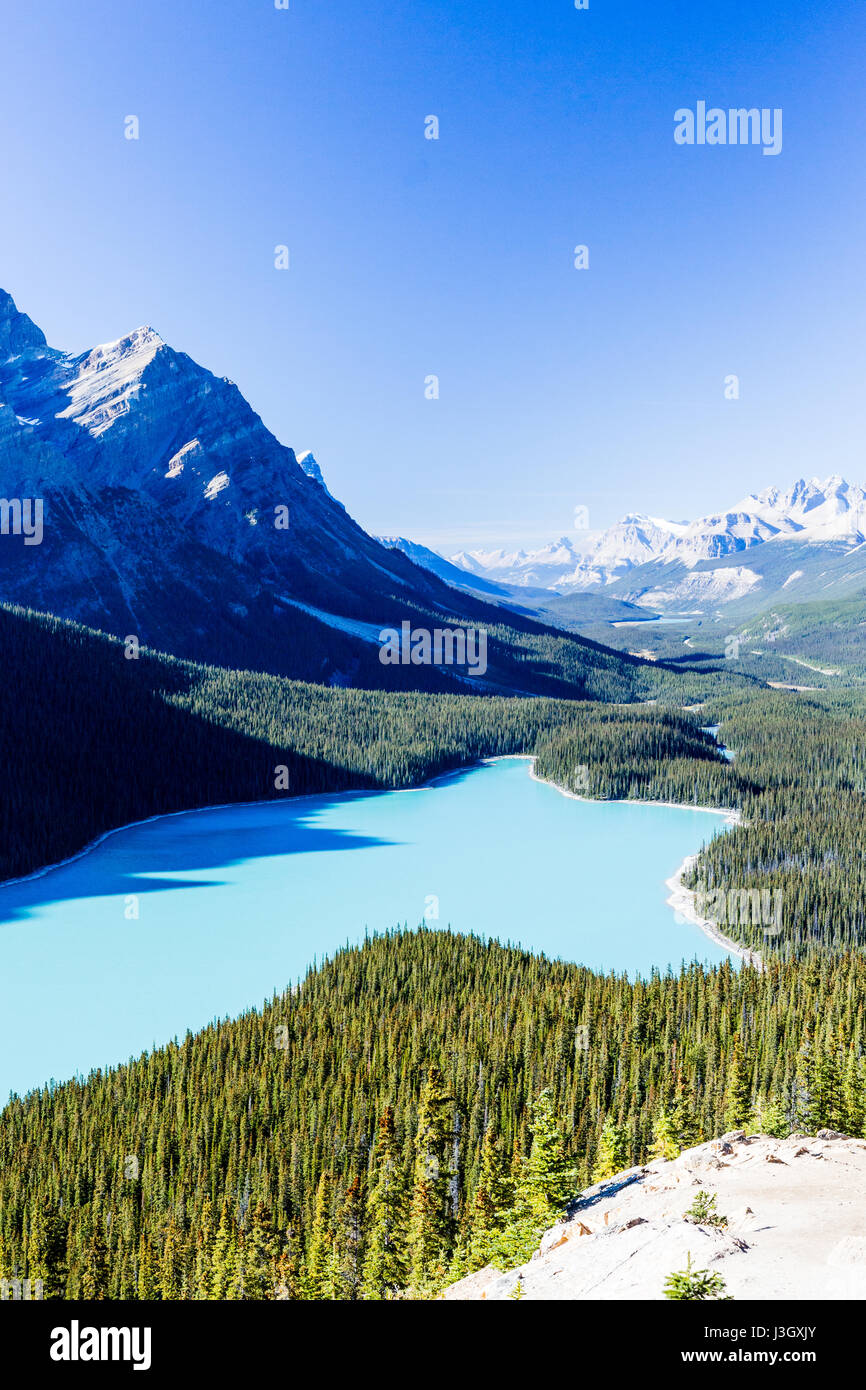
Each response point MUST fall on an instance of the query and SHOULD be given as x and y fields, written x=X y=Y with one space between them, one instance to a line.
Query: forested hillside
x=799 y=779
x=427 y=1103
x=417 y=1106
x=831 y=634
x=92 y=740
x=79 y=725
x=800 y=768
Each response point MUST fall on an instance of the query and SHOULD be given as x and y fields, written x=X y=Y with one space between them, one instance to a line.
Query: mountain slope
x=455 y=575
x=172 y=514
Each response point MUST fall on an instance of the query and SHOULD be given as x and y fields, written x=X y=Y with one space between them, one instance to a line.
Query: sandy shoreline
x=682 y=900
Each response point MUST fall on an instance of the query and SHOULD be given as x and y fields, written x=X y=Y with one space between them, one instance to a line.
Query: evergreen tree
x=204 y=1247
x=46 y=1253
x=550 y=1179
x=319 y=1281
x=770 y=1117
x=147 y=1271
x=349 y=1243
x=665 y=1142
x=94 y=1275
x=494 y=1197
x=544 y=1183
x=225 y=1265
x=260 y=1256
x=431 y=1223
x=612 y=1155
x=386 y=1264
x=828 y=1108
x=738 y=1094
x=171 y=1265
x=804 y=1084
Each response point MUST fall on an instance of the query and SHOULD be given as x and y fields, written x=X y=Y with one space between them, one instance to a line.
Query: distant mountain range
x=803 y=543
x=173 y=514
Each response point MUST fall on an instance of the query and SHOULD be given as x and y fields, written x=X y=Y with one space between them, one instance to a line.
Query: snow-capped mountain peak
x=814 y=510
x=818 y=509
x=171 y=511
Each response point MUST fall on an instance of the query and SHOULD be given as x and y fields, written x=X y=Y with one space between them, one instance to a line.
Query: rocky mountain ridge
x=172 y=513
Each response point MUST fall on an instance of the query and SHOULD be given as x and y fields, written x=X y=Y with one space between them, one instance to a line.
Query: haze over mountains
x=805 y=542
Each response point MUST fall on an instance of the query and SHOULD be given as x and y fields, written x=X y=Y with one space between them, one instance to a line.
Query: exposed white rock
x=796 y=1211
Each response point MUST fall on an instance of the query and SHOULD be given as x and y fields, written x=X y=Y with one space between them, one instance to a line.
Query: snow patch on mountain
x=702 y=586
x=104 y=379
x=216 y=485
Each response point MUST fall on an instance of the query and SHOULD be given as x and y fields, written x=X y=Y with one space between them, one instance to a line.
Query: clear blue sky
x=412 y=257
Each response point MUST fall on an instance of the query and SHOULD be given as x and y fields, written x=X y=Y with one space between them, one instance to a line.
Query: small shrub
x=695 y=1284
x=703 y=1212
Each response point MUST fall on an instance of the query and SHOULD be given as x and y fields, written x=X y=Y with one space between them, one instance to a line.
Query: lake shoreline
x=240 y=805
x=681 y=898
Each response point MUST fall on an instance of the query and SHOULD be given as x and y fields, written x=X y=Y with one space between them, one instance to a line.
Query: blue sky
x=412 y=257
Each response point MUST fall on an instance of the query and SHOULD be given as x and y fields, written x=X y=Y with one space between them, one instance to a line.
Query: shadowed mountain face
x=172 y=513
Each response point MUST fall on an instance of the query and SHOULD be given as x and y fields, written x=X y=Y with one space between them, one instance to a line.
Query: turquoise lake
x=236 y=902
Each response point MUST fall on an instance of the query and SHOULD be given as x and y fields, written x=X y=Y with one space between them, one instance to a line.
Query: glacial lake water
x=236 y=902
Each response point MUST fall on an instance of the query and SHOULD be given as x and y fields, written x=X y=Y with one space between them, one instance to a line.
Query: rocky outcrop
x=796 y=1226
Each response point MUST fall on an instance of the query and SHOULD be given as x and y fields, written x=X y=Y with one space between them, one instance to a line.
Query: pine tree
x=550 y=1178
x=431 y=1221
x=804 y=1083
x=319 y=1279
x=94 y=1276
x=544 y=1183
x=349 y=1243
x=829 y=1110
x=287 y=1272
x=260 y=1256
x=224 y=1264
x=203 y=1277
x=147 y=1275
x=665 y=1142
x=612 y=1154
x=686 y=1128
x=494 y=1197
x=171 y=1264
x=46 y=1252
x=738 y=1093
x=386 y=1265
x=770 y=1117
